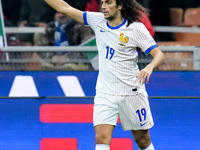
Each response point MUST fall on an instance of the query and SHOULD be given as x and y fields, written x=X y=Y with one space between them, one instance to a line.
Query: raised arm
x=64 y=8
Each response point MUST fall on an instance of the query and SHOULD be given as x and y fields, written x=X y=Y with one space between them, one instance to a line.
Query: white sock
x=150 y=147
x=102 y=147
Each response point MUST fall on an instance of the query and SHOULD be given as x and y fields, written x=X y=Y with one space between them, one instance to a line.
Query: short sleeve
x=144 y=39
x=92 y=18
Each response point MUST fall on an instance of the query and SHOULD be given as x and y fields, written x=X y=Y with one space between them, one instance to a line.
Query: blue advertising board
x=83 y=83
x=176 y=125
x=42 y=123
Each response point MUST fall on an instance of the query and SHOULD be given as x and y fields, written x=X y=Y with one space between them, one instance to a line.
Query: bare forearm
x=157 y=60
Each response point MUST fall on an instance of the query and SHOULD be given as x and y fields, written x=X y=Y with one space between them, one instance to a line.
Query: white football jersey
x=117 y=49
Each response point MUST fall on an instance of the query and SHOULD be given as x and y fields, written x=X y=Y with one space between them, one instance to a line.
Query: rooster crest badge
x=123 y=39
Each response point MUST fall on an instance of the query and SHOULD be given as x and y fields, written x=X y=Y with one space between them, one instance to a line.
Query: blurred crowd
x=61 y=30
x=37 y=13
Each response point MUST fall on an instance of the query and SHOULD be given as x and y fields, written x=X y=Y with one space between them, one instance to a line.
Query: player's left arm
x=158 y=58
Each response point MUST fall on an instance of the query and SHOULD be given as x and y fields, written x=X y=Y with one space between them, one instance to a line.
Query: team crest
x=123 y=39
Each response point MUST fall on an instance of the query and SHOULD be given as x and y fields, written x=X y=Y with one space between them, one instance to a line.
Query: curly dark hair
x=132 y=10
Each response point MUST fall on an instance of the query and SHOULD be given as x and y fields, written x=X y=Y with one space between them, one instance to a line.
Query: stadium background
x=52 y=110
x=53 y=121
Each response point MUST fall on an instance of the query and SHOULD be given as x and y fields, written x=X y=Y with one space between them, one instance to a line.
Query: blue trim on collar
x=150 y=48
x=117 y=27
x=85 y=18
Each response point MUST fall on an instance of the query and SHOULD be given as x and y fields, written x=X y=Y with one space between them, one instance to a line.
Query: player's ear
x=120 y=7
x=119 y=4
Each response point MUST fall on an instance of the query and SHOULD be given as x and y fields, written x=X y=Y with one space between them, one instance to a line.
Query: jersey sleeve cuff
x=85 y=18
x=150 y=48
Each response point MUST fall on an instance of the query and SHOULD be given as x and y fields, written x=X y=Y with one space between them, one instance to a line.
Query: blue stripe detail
x=85 y=18
x=117 y=27
x=150 y=48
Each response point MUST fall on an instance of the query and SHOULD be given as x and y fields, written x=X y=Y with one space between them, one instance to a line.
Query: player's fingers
x=144 y=78
x=140 y=77
x=147 y=81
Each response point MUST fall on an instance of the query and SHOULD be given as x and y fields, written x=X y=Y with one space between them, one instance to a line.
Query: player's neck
x=115 y=22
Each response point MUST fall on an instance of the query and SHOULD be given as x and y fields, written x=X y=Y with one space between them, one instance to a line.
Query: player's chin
x=106 y=17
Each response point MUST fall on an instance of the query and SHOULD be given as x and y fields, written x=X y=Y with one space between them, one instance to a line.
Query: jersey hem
x=140 y=128
x=118 y=94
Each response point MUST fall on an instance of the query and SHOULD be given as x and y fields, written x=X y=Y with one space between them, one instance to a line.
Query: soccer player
x=120 y=89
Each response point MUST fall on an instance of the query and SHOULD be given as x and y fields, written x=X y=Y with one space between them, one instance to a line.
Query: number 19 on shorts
x=141 y=114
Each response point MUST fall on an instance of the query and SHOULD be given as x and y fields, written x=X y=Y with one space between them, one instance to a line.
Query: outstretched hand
x=145 y=74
